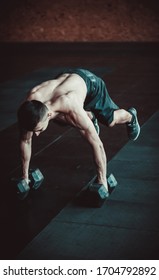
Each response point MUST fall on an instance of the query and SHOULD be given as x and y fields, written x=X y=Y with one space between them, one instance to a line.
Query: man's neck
x=51 y=110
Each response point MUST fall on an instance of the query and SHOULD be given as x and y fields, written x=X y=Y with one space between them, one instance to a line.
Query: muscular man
x=79 y=98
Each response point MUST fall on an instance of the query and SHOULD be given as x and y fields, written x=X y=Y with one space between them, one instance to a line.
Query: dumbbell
x=22 y=188
x=36 y=178
x=97 y=192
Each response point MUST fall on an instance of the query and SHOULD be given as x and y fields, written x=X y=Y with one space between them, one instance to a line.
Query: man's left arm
x=87 y=129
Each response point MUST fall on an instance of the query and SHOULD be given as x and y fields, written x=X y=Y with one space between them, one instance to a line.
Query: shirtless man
x=77 y=97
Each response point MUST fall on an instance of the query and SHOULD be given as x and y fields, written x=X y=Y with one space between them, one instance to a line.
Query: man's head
x=33 y=116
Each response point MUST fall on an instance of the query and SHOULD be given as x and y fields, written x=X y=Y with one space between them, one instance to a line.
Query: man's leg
x=129 y=118
x=121 y=116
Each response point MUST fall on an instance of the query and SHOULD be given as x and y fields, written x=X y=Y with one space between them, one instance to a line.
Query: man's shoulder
x=25 y=135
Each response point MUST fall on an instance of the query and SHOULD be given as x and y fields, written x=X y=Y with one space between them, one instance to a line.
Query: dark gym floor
x=127 y=226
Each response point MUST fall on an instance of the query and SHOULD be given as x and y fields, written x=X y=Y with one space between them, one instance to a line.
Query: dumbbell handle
x=27 y=180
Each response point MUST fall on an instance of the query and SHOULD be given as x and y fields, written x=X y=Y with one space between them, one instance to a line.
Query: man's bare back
x=64 y=96
x=70 y=86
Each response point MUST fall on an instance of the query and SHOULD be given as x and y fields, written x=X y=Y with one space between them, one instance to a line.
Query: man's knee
x=112 y=123
x=115 y=118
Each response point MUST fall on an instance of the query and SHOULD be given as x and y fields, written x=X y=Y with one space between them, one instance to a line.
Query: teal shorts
x=97 y=100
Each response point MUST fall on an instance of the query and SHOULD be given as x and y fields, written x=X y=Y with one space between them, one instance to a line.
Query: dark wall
x=79 y=20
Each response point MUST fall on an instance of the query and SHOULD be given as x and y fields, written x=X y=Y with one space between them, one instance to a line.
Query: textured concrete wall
x=79 y=20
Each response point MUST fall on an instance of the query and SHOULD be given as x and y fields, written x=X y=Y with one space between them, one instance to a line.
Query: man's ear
x=49 y=115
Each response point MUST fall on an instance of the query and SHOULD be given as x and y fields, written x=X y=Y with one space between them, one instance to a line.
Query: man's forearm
x=101 y=163
x=98 y=154
x=25 y=148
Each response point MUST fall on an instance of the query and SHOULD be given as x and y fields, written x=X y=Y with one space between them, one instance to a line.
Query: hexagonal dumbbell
x=22 y=188
x=98 y=193
x=36 y=178
x=112 y=183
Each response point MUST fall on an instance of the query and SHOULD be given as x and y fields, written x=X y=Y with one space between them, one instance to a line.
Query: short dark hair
x=30 y=113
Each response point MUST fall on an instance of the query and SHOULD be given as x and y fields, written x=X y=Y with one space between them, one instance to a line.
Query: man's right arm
x=25 y=151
